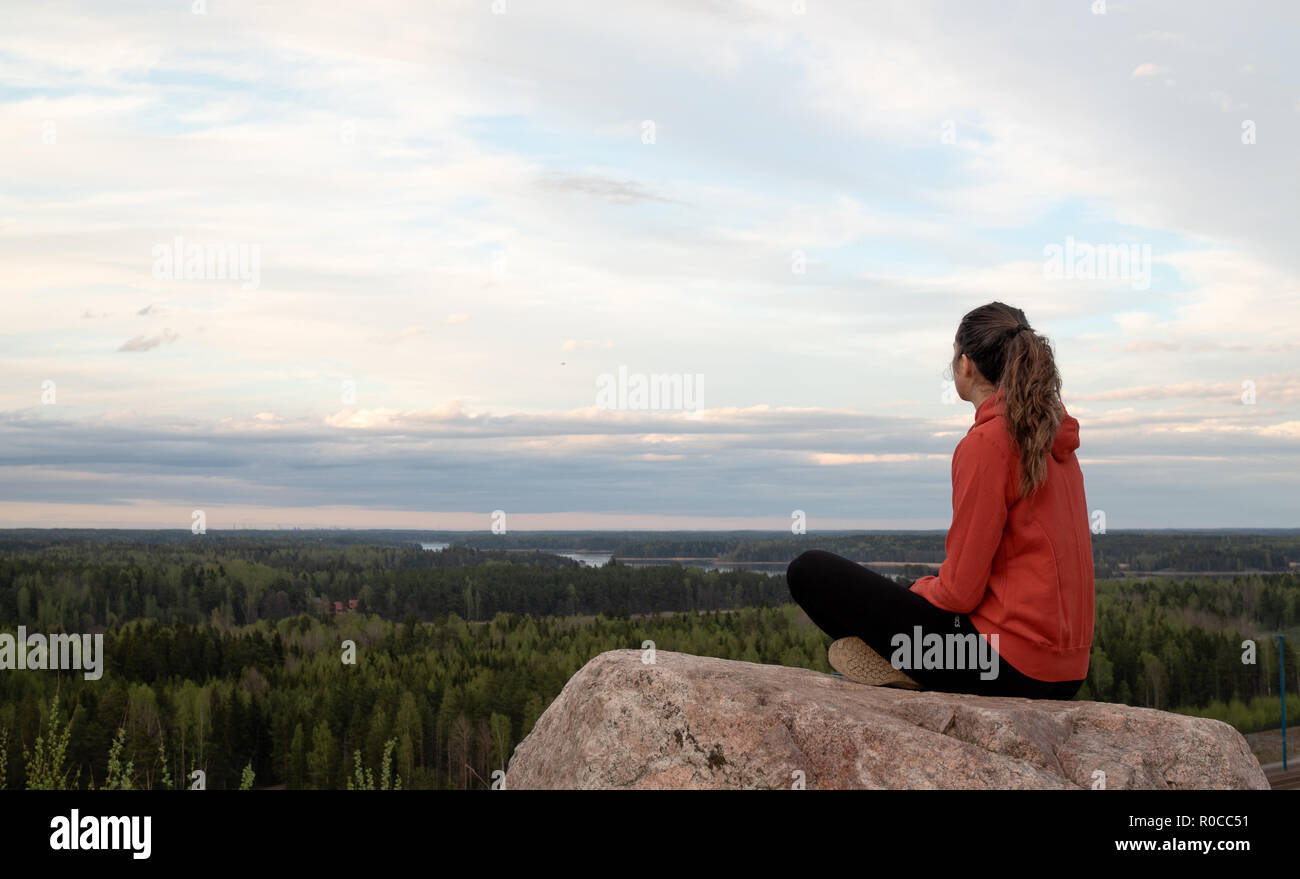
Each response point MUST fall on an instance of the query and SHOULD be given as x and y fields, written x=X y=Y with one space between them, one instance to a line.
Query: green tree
x=1101 y=673
x=499 y=725
x=321 y=762
x=363 y=778
x=297 y=759
x=45 y=762
x=120 y=775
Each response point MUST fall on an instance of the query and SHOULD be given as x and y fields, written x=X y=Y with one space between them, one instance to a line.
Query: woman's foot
x=852 y=658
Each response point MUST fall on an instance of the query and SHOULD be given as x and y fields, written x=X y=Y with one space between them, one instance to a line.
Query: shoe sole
x=852 y=658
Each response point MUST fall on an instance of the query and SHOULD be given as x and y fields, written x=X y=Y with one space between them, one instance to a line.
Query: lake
x=598 y=559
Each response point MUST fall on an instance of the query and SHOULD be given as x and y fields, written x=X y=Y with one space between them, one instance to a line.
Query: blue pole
x=1281 y=676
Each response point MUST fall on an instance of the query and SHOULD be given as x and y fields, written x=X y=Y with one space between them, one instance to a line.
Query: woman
x=1011 y=611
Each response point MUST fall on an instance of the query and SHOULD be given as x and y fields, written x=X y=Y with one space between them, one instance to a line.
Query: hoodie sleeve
x=979 y=515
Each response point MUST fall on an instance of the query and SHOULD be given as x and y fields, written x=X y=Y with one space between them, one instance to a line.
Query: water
x=592 y=559
x=772 y=569
x=599 y=559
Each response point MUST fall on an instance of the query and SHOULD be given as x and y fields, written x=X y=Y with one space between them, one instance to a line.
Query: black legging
x=845 y=598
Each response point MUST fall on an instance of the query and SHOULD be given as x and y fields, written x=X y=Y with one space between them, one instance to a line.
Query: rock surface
x=695 y=722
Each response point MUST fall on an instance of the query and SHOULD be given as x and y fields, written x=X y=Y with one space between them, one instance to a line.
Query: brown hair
x=1011 y=355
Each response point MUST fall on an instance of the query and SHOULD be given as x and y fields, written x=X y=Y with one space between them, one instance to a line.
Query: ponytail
x=1016 y=359
x=1033 y=394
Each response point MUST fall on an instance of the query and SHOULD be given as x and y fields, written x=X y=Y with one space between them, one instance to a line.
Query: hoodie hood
x=1067 y=436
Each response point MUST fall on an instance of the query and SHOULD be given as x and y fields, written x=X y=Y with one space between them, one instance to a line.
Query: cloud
x=1281 y=388
x=798 y=231
x=148 y=343
x=451 y=458
x=1149 y=69
x=605 y=188
x=401 y=336
x=1224 y=101
x=1287 y=429
x=839 y=460
x=1147 y=346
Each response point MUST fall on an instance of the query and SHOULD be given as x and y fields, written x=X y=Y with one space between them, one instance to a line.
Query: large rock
x=694 y=722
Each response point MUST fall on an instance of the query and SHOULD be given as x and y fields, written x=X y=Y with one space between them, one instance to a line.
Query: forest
x=228 y=656
x=1115 y=553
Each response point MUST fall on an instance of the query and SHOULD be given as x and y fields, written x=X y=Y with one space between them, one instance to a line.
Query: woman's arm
x=979 y=514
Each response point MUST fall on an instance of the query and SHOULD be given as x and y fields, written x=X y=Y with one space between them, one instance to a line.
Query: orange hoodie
x=1020 y=567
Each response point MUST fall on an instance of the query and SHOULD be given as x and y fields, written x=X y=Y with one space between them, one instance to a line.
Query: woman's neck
x=982 y=394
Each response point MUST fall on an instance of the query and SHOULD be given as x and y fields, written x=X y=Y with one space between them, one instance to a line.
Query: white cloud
x=402 y=172
x=1149 y=69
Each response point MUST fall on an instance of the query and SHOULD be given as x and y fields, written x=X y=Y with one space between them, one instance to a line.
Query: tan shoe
x=852 y=658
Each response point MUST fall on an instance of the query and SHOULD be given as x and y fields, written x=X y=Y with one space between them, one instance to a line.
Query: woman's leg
x=844 y=599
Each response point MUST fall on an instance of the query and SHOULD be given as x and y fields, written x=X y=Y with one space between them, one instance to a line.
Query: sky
x=429 y=251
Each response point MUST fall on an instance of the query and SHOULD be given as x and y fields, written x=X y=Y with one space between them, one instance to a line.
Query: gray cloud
x=816 y=133
x=1144 y=473
x=148 y=343
x=617 y=191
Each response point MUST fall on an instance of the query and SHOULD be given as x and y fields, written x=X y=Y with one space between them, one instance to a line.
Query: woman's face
x=963 y=374
x=958 y=363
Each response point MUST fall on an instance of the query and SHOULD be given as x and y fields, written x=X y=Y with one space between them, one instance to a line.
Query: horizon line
x=515 y=532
